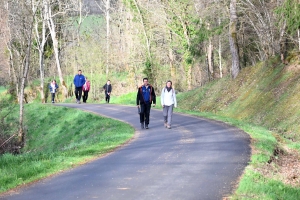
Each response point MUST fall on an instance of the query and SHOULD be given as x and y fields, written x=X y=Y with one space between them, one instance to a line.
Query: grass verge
x=59 y=138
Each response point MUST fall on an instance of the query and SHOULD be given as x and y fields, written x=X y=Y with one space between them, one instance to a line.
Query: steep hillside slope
x=266 y=94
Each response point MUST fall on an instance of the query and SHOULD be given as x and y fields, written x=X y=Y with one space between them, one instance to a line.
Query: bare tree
x=52 y=28
x=40 y=38
x=21 y=19
x=106 y=10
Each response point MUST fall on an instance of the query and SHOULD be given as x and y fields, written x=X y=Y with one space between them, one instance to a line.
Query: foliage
x=290 y=10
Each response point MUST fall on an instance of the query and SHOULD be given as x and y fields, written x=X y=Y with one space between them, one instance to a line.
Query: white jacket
x=168 y=98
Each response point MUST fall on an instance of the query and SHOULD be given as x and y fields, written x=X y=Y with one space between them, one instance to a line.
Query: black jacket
x=107 y=88
x=140 y=98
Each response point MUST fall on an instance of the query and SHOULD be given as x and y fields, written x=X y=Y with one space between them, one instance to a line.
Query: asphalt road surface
x=196 y=159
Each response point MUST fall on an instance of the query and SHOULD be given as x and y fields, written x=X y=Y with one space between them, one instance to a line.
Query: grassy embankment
x=2 y=89
x=58 y=138
x=264 y=102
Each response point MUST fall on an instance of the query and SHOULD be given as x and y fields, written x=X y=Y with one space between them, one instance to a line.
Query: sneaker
x=168 y=127
x=142 y=125
x=147 y=126
x=52 y=101
x=165 y=124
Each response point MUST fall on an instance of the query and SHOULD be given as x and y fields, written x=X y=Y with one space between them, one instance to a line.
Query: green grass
x=59 y=138
x=255 y=186
x=127 y=99
x=2 y=89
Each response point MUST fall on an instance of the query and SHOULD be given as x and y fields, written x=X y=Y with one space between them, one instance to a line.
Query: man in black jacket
x=145 y=97
x=107 y=89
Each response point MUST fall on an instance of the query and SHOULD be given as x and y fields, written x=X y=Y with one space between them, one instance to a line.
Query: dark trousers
x=107 y=97
x=78 y=93
x=145 y=113
x=52 y=97
x=85 y=96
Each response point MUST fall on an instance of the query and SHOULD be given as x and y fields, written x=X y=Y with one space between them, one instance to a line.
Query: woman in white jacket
x=168 y=102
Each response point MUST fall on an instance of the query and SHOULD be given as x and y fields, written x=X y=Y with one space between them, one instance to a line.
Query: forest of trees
x=188 y=41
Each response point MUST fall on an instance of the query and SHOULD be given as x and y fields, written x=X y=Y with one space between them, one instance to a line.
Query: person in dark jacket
x=53 y=87
x=86 y=89
x=79 y=81
x=145 y=97
x=107 y=90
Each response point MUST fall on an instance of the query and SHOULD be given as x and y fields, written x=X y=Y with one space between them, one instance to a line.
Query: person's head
x=79 y=72
x=86 y=78
x=169 y=83
x=53 y=81
x=145 y=81
x=108 y=82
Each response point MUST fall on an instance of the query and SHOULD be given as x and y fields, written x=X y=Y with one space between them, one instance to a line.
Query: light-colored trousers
x=168 y=112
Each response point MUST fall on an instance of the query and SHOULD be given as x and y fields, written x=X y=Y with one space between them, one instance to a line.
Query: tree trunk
x=52 y=29
x=108 y=36
x=144 y=29
x=298 y=39
x=12 y=69
x=107 y=7
x=235 y=68
x=172 y=60
x=220 y=58
x=210 y=57
x=282 y=43
x=21 y=133
x=41 y=45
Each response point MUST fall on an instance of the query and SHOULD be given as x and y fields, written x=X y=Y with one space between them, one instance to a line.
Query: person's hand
x=163 y=106
x=138 y=106
x=153 y=105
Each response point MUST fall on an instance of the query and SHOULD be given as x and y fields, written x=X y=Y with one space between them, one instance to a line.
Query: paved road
x=196 y=159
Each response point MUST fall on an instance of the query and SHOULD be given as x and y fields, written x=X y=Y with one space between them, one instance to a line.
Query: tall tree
x=22 y=17
x=235 y=68
x=49 y=6
x=106 y=8
x=41 y=38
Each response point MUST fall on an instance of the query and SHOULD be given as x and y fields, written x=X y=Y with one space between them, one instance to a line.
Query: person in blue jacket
x=79 y=81
x=53 y=87
x=145 y=97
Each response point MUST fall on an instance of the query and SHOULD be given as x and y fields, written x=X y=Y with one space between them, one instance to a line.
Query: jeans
x=52 y=97
x=107 y=97
x=145 y=113
x=168 y=112
x=78 y=93
x=85 y=96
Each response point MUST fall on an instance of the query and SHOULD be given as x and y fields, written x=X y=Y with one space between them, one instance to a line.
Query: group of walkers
x=82 y=88
x=145 y=97
x=82 y=84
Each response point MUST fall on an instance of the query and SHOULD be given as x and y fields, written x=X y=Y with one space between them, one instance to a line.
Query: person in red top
x=86 y=89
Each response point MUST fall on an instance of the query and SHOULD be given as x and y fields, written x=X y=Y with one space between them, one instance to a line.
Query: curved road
x=196 y=159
